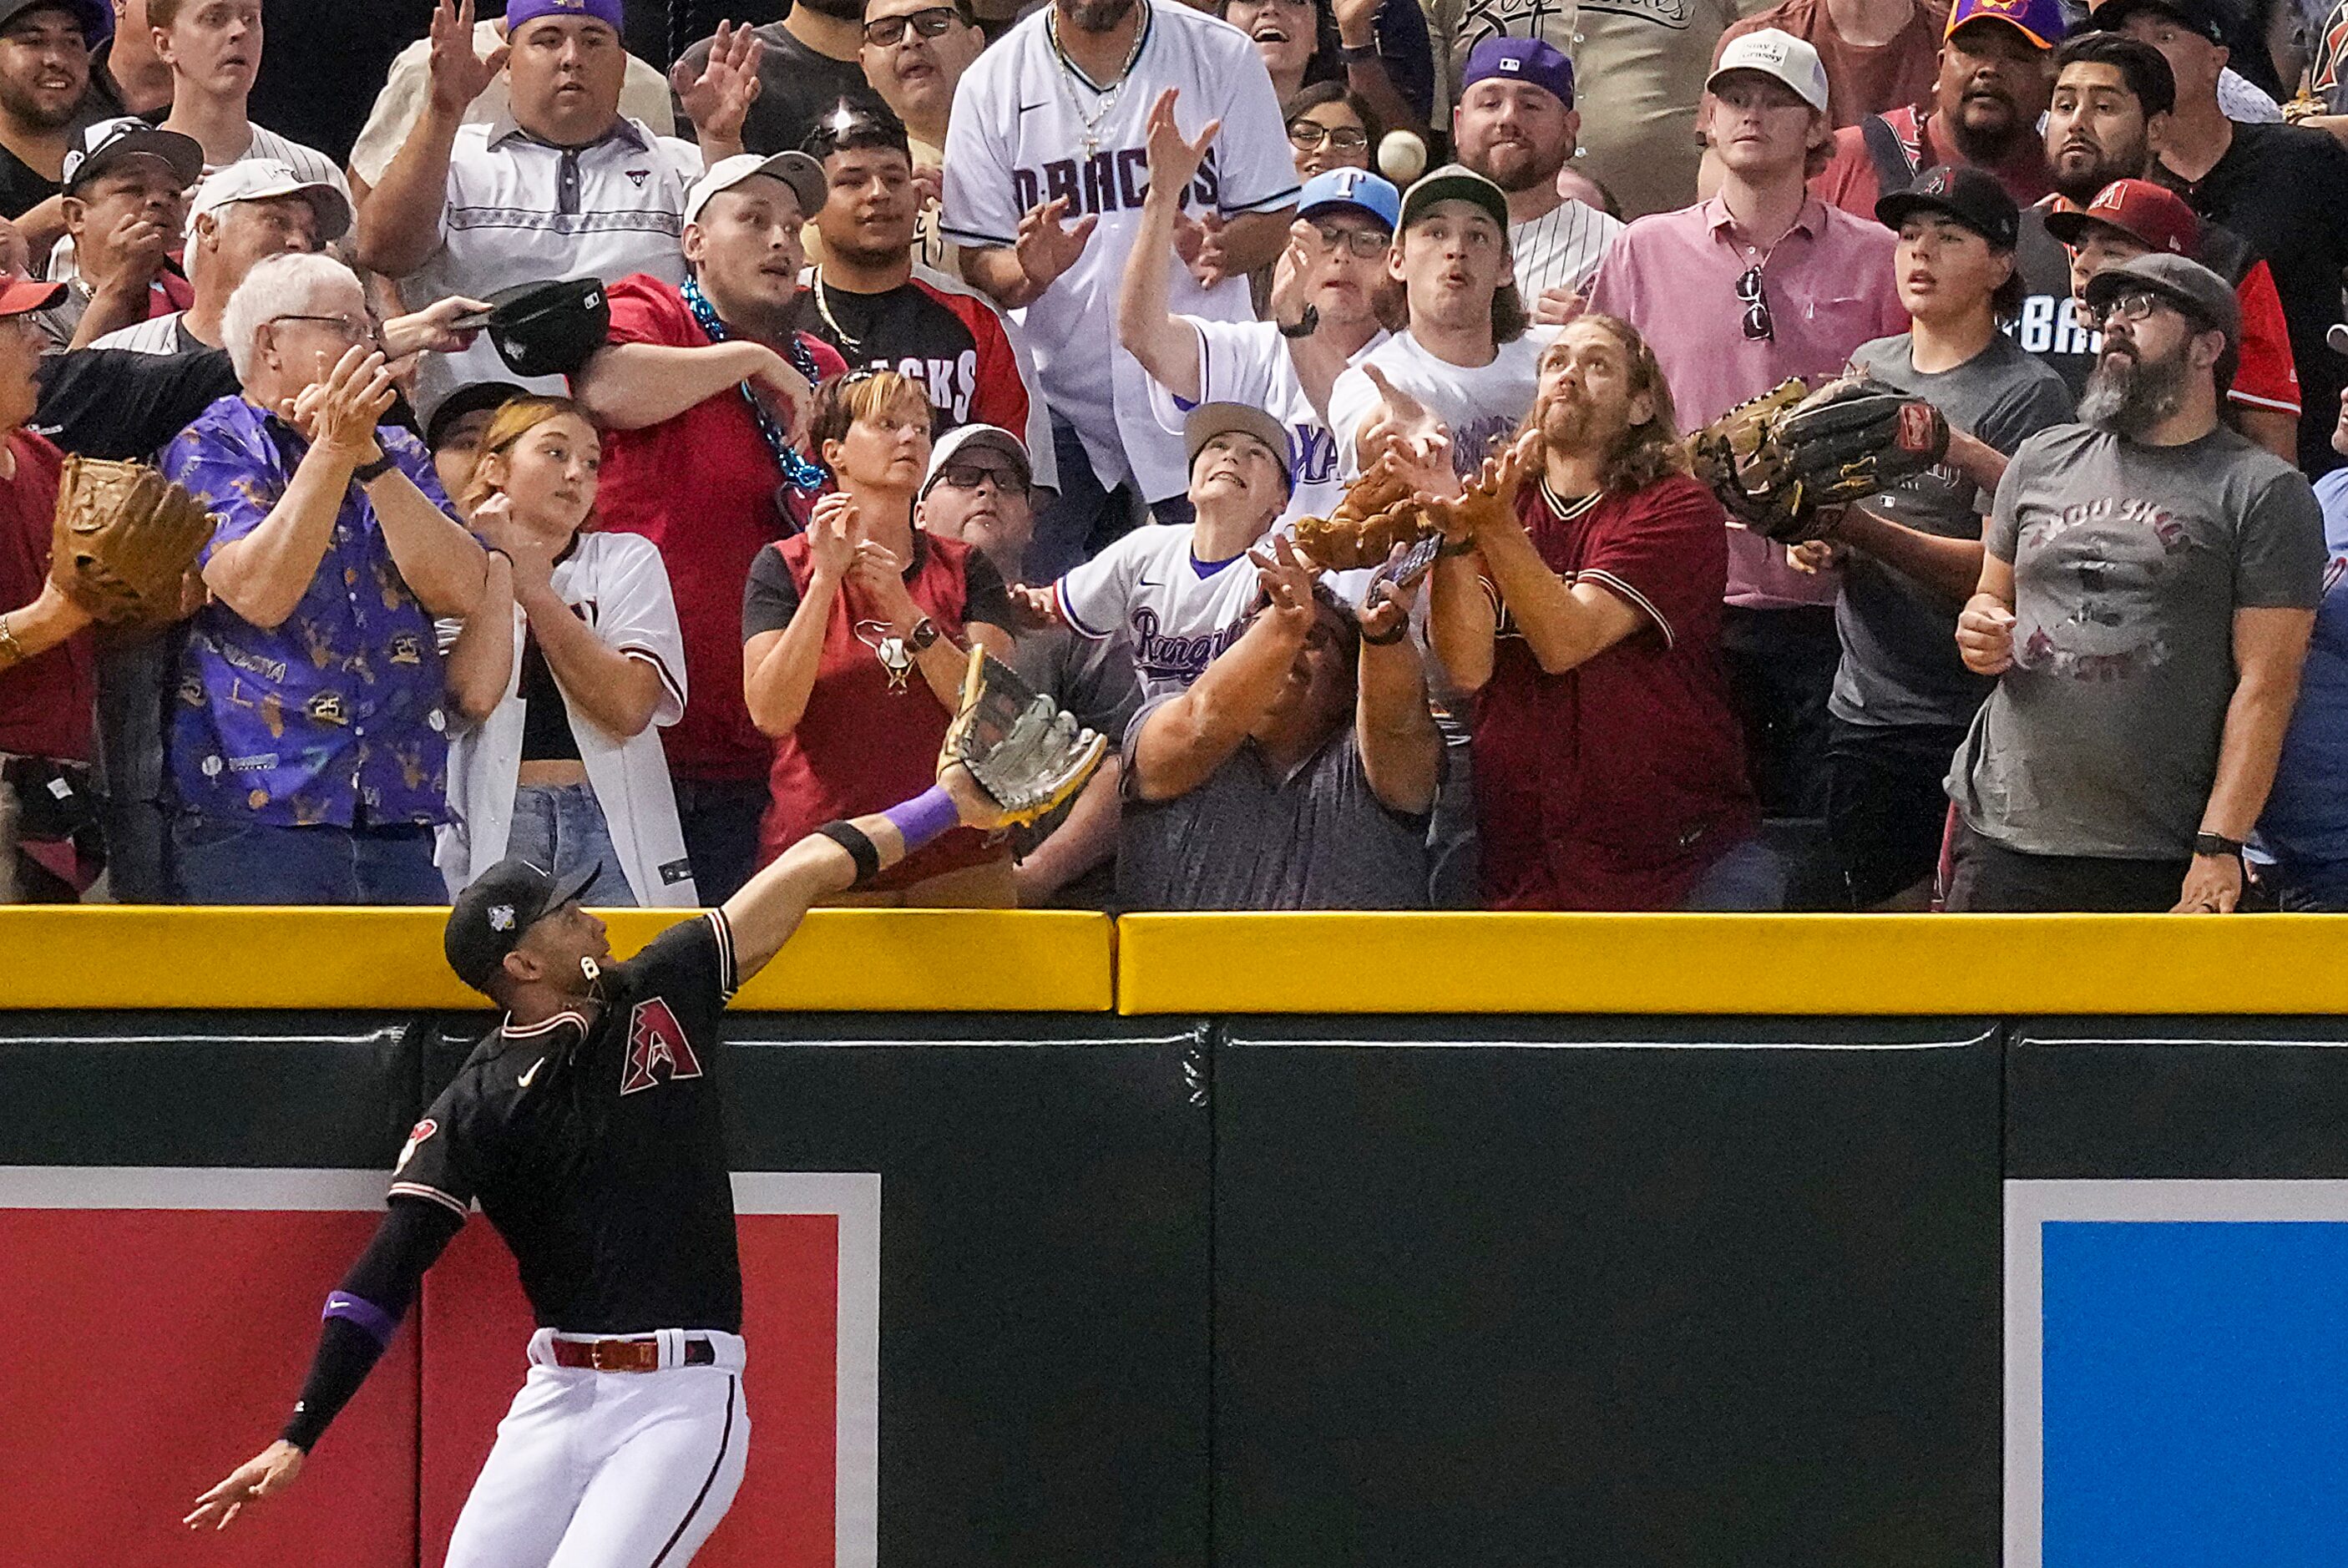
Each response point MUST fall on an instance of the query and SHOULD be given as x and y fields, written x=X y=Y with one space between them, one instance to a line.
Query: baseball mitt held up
x=1021 y=749
x=1380 y=511
x=1785 y=463
x=123 y=540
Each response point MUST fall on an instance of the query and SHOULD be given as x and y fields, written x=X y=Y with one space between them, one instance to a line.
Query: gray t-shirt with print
x=2129 y=562
x=1900 y=663
x=1251 y=839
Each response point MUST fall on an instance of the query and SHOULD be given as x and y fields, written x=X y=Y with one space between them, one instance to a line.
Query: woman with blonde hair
x=563 y=677
x=855 y=637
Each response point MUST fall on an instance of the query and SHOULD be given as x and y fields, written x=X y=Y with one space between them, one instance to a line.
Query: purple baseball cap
x=1523 y=60
x=522 y=12
x=2040 y=21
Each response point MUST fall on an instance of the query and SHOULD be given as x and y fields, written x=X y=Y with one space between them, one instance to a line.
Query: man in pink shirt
x=1734 y=294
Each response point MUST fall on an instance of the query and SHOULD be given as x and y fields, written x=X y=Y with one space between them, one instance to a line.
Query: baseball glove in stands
x=1379 y=511
x=1787 y=462
x=123 y=540
x=1027 y=754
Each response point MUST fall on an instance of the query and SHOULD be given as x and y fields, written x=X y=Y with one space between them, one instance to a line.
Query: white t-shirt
x=505 y=222
x=1248 y=362
x=1477 y=405
x=1017 y=138
x=1561 y=249
x=1173 y=611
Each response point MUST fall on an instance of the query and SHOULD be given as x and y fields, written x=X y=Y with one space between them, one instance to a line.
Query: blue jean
x=2310 y=887
x=559 y=828
x=720 y=820
x=1085 y=517
x=229 y=861
x=1747 y=879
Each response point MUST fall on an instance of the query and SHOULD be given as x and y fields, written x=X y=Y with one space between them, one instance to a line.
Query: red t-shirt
x=2267 y=376
x=1849 y=181
x=701 y=487
x=867 y=741
x=45 y=702
x=1614 y=786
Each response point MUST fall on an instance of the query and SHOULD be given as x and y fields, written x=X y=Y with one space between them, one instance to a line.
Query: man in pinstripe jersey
x=1515 y=126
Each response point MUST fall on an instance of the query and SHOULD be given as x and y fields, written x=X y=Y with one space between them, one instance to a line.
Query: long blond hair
x=516 y=418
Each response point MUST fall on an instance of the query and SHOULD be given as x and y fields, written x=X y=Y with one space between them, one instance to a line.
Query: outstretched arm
x=360 y=1319
x=831 y=859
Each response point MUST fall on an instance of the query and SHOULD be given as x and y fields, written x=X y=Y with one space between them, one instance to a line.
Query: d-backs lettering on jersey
x=594 y=1142
x=1109 y=182
x=1173 y=611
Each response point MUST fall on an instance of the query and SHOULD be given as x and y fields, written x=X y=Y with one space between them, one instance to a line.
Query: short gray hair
x=280 y=286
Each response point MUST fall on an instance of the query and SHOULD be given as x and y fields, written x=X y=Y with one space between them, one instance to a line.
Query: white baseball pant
x=610 y=1469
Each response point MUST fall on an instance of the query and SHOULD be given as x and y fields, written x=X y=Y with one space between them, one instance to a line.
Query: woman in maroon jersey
x=855 y=635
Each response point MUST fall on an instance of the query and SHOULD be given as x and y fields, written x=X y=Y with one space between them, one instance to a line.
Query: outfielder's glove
x=1022 y=750
x=123 y=540
x=1786 y=463
x=1379 y=511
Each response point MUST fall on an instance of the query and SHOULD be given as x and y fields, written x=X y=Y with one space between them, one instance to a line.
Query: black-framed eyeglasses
x=1366 y=243
x=969 y=476
x=2131 y=307
x=1307 y=135
x=885 y=33
x=1758 y=327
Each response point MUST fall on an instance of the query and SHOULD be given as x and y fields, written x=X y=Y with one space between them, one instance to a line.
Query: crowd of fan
x=606 y=495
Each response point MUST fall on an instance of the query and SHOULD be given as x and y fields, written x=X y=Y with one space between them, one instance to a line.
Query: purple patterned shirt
x=334 y=717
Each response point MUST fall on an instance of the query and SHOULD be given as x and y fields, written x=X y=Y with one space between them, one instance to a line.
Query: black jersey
x=597 y=1148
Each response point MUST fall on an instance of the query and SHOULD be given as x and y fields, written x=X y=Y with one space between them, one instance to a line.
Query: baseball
x=1402 y=156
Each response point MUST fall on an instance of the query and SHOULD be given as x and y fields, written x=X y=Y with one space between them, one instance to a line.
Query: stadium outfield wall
x=1257 y=1241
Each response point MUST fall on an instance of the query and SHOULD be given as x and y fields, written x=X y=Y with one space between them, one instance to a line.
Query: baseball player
x=587 y=1125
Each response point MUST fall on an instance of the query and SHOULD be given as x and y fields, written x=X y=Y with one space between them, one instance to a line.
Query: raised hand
x=929 y=186
x=459 y=76
x=718 y=99
x=1037 y=609
x=266 y=1474
x=1558 y=305
x=1174 y=159
x=831 y=553
x=1045 y=248
x=1291 y=274
x=1408 y=429
x=1284 y=579
x=340 y=412
x=1491 y=501
x=1386 y=605
x=880 y=573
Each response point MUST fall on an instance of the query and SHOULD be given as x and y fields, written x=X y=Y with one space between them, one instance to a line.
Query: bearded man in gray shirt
x=2146 y=601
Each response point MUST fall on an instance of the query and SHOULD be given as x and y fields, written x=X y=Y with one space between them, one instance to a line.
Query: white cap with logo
x=265 y=179
x=1776 y=54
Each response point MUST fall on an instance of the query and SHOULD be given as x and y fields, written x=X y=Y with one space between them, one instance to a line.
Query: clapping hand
x=339 y=414
x=831 y=553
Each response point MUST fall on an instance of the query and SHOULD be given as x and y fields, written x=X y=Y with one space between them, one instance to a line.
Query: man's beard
x=1574 y=425
x=1522 y=169
x=1985 y=146
x=2129 y=396
x=2081 y=187
x=31 y=111
x=1098 y=16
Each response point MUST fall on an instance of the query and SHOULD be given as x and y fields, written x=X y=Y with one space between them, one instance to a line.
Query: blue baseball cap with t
x=1338 y=190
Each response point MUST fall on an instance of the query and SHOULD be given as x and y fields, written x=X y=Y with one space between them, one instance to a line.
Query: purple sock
x=923 y=817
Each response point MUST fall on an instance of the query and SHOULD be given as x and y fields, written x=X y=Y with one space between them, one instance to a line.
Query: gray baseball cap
x=1453 y=182
x=961 y=438
x=1209 y=420
x=2191 y=287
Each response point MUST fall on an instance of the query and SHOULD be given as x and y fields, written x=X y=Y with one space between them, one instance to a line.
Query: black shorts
x=1886 y=806
x=1992 y=879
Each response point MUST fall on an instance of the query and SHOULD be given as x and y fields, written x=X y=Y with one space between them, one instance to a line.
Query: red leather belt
x=626 y=1355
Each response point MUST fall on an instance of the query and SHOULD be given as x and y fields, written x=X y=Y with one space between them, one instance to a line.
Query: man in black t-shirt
x=812 y=59
x=589 y=1128
x=44 y=77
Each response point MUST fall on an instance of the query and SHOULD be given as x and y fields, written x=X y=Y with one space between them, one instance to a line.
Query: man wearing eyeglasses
x=2149 y=586
x=309 y=745
x=1733 y=294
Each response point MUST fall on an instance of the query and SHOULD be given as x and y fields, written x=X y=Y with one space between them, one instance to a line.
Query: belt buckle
x=619 y=1356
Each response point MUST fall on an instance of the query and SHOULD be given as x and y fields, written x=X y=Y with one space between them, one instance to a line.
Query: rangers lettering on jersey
x=1172 y=658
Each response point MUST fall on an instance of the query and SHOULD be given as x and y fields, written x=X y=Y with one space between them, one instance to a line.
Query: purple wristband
x=924 y=817
x=378 y=1324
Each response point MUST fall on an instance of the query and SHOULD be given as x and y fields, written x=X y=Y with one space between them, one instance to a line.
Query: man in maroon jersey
x=1585 y=618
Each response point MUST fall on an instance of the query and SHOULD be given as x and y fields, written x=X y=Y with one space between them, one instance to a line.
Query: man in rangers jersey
x=1325 y=311
x=589 y=1126
x=1515 y=126
x=1462 y=368
x=1179 y=595
x=1046 y=170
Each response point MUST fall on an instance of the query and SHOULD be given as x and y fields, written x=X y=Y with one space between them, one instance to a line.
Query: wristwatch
x=924 y=632
x=367 y=474
x=2216 y=844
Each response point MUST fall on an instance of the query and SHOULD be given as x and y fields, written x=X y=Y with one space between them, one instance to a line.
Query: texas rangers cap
x=1972 y=196
x=1533 y=60
x=1209 y=420
x=2151 y=214
x=1453 y=182
x=1775 y=53
x=504 y=901
x=265 y=179
x=110 y=143
x=794 y=169
x=2040 y=21
x=96 y=17
x=961 y=438
x=520 y=13
x=2199 y=15
x=21 y=295
x=1350 y=189
x=2191 y=287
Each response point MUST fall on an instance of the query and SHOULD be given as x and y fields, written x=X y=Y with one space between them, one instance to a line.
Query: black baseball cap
x=96 y=17
x=2197 y=15
x=502 y=902
x=470 y=399
x=110 y=143
x=1972 y=196
x=548 y=328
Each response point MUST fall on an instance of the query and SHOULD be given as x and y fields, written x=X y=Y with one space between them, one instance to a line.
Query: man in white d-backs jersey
x=1178 y=594
x=1462 y=368
x=1046 y=168
x=1324 y=312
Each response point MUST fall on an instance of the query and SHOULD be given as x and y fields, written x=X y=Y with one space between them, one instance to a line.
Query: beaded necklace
x=798 y=474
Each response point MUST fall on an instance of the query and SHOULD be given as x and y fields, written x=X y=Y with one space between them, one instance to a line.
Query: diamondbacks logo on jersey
x=418 y=1134
x=1109 y=182
x=655 y=1039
